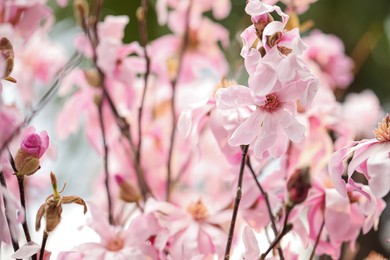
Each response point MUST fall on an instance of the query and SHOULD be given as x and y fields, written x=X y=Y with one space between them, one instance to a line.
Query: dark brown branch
x=43 y=246
x=236 y=202
x=105 y=161
x=286 y=228
x=317 y=240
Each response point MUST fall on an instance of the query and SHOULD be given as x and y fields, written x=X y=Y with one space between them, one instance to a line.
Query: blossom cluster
x=195 y=162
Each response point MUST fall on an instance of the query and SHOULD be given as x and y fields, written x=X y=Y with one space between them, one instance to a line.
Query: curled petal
x=75 y=199
x=38 y=218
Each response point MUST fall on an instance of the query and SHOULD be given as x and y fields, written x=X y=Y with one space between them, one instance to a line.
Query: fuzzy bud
x=298 y=186
x=81 y=12
x=128 y=192
x=93 y=78
x=26 y=164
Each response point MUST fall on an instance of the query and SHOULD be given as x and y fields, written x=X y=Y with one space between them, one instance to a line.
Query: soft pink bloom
x=344 y=217
x=369 y=157
x=272 y=99
x=34 y=144
x=189 y=232
x=116 y=242
x=360 y=113
x=326 y=52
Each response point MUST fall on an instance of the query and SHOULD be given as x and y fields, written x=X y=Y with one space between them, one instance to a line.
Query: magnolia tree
x=195 y=164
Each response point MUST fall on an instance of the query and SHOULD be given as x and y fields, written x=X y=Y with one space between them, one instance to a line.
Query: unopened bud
x=81 y=12
x=298 y=186
x=128 y=192
x=140 y=13
x=93 y=77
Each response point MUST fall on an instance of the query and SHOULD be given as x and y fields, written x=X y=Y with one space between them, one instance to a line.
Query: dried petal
x=75 y=199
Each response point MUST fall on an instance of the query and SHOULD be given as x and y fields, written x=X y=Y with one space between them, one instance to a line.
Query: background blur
x=363 y=26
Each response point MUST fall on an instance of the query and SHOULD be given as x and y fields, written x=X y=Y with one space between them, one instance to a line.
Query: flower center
x=382 y=133
x=116 y=244
x=198 y=210
x=272 y=103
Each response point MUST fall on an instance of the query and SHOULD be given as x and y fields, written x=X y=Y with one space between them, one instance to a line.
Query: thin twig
x=121 y=122
x=72 y=63
x=44 y=240
x=286 y=228
x=236 y=202
x=14 y=241
x=105 y=159
x=22 y=196
x=267 y=203
x=317 y=240
x=173 y=101
x=144 y=42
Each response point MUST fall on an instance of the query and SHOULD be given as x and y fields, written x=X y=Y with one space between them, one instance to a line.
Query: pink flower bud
x=33 y=144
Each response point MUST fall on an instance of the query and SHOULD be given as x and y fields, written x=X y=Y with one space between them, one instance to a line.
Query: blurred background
x=363 y=26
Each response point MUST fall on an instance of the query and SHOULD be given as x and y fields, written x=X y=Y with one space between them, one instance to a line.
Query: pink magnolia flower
x=116 y=242
x=343 y=217
x=360 y=113
x=191 y=232
x=369 y=157
x=326 y=52
x=272 y=103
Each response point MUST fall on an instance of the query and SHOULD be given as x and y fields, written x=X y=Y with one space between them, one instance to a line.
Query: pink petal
x=251 y=244
x=113 y=27
x=27 y=250
x=294 y=130
x=248 y=130
x=233 y=97
x=378 y=169
x=263 y=80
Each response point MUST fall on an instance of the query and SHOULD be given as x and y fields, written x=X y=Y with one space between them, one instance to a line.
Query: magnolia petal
x=251 y=244
x=248 y=130
x=378 y=165
x=29 y=249
x=234 y=97
x=294 y=130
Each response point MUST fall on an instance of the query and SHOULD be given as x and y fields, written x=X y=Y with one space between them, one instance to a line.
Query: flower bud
x=81 y=12
x=32 y=148
x=93 y=78
x=128 y=192
x=298 y=186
